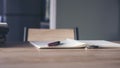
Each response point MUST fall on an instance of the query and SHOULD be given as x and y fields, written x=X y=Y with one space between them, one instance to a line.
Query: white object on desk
x=68 y=43
x=101 y=43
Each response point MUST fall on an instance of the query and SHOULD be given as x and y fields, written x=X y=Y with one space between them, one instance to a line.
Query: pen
x=56 y=43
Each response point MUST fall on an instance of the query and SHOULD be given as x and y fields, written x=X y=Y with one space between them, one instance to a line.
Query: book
x=71 y=43
x=68 y=43
x=101 y=43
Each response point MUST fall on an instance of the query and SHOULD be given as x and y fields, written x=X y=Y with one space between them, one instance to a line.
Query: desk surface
x=20 y=56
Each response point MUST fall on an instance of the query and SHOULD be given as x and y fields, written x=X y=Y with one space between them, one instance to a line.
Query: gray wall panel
x=20 y=14
x=96 y=19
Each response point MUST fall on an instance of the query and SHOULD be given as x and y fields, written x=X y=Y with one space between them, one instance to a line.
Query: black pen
x=56 y=43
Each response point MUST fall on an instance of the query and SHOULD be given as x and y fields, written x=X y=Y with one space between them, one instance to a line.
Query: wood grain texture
x=30 y=57
x=49 y=34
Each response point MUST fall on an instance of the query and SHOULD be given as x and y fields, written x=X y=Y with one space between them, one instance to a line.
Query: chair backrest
x=36 y=34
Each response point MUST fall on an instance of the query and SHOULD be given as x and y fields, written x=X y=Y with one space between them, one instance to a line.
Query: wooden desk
x=20 y=56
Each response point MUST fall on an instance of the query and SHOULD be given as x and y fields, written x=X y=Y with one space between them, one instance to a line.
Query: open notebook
x=70 y=43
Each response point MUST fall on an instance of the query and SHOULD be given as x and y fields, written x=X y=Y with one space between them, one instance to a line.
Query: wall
x=96 y=19
x=1 y=5
x=20 y=14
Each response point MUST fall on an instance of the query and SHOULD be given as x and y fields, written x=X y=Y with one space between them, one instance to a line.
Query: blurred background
x=96 y=19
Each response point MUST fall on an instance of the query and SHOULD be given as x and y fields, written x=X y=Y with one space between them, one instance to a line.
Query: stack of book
x=3 y=32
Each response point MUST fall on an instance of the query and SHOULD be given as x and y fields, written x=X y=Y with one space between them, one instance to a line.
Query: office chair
x=37 y=34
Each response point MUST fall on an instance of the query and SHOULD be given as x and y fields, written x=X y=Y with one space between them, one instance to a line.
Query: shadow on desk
x=20 y=45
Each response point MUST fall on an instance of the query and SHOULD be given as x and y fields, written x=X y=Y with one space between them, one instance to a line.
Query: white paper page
x=101 y=43
x=72 y=43
x=39 y=44
x=64 y=43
